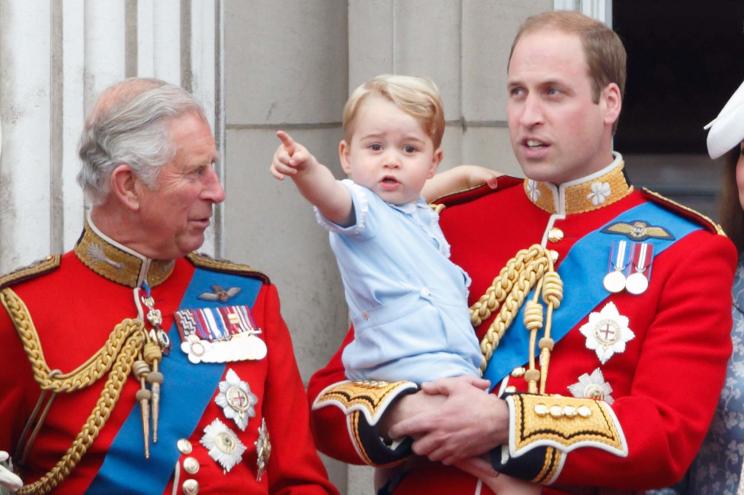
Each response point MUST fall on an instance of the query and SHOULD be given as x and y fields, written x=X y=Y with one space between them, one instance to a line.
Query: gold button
x=541 y=409
x=556 y=411
x=190 y=487
x=569 y=411
x=584 y=411
x=555 y=234
x=553 y=255
x=191 y=465
x=184 y=446
x=517 y=372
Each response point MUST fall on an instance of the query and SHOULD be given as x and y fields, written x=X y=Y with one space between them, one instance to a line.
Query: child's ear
x=435 y=161
x=343 y=156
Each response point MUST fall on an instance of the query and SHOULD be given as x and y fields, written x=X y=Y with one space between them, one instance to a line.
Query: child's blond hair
x=416 y=96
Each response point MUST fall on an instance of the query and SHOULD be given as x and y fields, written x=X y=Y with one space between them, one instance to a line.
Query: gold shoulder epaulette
x=207 y=262
x=33 y=270
x=684 y=211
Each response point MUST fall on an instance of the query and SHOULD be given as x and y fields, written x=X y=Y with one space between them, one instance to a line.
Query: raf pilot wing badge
x=638 y=230
x=219 y=294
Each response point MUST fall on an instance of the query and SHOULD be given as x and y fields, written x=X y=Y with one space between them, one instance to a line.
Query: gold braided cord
x=502 y=285
x=82 y=376
x=98 y=417
x=131 y=338
x=507 y=294
x=552 y=295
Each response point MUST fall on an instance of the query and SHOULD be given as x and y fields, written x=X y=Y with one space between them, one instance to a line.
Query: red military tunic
x=656 y=394
x=75 y=305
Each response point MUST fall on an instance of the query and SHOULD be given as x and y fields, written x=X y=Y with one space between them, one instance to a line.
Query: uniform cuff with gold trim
x=541 y=465
x=364 y=403
x=543 y=429
x=565 y=423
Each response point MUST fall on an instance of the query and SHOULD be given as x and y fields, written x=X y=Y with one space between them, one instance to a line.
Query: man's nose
x=531 y=112
x=213 y=190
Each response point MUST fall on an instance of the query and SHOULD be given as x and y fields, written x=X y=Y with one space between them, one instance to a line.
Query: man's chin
x=193 y=243
x=542 y=172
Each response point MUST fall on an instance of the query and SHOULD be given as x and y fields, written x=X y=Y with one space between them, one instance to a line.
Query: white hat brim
x=727 y=130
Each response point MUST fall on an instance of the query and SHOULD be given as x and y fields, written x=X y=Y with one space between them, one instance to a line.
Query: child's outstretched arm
x=314 y=180
x=458 y=179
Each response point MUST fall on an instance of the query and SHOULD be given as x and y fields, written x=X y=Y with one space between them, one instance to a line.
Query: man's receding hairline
x=122 y=93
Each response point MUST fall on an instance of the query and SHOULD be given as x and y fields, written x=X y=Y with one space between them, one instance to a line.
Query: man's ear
x=343 y=156
x=435 y=161
x=612 y=100
x=125 y=186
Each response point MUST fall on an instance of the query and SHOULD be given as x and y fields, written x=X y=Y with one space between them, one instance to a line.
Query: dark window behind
x=685 y=59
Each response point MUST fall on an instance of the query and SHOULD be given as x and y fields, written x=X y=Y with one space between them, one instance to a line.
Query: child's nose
x=392 y=160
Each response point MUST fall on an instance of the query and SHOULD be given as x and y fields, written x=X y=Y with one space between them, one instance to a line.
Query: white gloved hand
x=8 y=479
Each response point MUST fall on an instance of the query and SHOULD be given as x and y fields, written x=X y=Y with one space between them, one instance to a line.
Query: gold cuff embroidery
x=565 y=423
x=371 y=398
x=552 y=466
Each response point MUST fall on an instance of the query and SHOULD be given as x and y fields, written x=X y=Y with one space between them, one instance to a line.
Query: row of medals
x=630 y=267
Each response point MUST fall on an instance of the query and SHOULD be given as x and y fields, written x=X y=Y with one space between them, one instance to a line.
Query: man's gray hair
x=129 y=124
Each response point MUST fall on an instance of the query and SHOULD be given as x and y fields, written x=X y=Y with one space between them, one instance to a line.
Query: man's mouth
x=202 y=222
x=534 y=144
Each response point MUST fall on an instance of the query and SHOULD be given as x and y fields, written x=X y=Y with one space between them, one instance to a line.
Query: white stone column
x=206 y=84
x=72 y=83
x=79 y=48
x=25 y=31
x=105 y=53
x=159 y=39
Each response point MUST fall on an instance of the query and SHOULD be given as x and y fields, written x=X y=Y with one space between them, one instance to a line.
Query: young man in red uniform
x=603 y=310
x=170 y=372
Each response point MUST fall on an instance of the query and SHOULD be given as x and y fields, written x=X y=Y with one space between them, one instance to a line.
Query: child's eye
x=375 y=146
x=409 y=148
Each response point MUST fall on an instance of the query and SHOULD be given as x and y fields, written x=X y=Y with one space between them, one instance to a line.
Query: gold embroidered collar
x=117 y=262
x=594 y=191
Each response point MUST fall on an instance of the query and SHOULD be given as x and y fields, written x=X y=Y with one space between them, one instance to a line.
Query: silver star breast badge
x=607 y=332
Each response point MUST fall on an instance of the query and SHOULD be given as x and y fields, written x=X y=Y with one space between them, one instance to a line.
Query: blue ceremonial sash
x=582 y=271
x=185 y=394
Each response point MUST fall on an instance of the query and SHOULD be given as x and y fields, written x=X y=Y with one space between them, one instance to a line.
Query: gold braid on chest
x=529 y=268
x=116 y=358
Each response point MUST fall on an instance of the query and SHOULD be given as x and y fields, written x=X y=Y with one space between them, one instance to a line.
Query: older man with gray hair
x=132 y=364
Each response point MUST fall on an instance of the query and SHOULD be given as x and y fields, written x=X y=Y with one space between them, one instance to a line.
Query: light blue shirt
x=407 y=300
